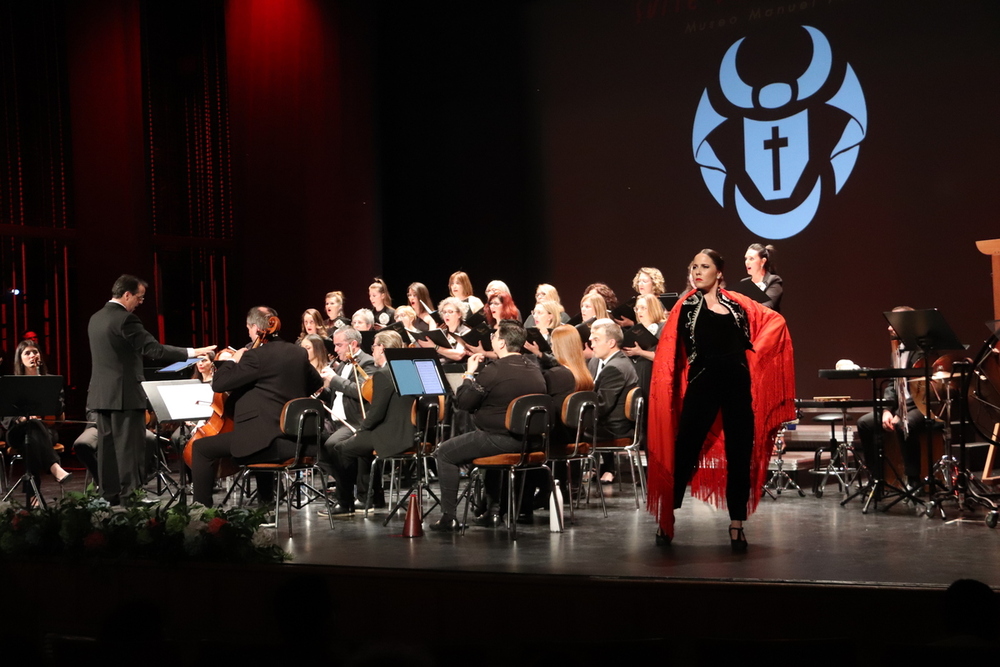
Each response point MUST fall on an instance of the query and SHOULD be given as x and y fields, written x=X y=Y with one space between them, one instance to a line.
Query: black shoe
x=739 y=542
x=338 y=510
x=65 y=479
x=446 y=524
x=489 y=519
x=662 y=539
x=377 y=503
x=526 y=518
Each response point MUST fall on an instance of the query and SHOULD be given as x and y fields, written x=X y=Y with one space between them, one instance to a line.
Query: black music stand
x=29 y=396
x=177 y=400
x=927 y=331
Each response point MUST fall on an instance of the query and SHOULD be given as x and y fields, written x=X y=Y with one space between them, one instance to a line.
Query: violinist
x=386 y=429
x=345 y=385
x=260 y=381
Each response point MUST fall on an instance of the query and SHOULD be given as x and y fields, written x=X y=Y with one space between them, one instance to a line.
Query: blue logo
x=773 y=149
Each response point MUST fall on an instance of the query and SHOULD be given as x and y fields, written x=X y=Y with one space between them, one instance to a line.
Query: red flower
x=215 y=525
x=94 y=540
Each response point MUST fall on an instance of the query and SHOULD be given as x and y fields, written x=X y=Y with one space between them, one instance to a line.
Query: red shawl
x=772 y=378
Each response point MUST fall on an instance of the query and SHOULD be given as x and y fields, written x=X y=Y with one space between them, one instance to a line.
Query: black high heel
x=662 y=539
x=738 y=543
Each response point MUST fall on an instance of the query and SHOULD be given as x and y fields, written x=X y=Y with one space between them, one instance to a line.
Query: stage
x=816 y=573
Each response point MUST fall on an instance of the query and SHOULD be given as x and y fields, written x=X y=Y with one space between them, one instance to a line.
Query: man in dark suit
x=489 y=394
x=260 y=381
x=614 y=375
x=386 y=429
x=118 y=342
x=345 y=387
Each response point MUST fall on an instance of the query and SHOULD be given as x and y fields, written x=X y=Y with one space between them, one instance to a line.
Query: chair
x=634 y=408
x=302 y=419
x=579 y=416
x=12 y=455
x=427 y=416
x=528 y=418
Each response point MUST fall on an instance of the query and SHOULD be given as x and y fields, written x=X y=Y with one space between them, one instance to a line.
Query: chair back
x=426 y=415
x=302 y=419
x=635 y=405
x=579 y=413
x=528 y=418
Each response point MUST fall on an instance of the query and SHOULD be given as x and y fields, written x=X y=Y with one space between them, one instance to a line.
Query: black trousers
x=868 y=431
x=711 y=389
x=207 y=451
x=120 y=451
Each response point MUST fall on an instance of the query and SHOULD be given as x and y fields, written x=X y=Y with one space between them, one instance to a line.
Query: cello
x=222 y=420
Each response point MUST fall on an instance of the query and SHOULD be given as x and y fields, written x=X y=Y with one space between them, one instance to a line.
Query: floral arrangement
x=83 y=525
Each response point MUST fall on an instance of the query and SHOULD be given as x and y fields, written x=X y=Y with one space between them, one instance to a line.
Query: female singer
x=408 y=318
x=451 y=311
x=29 y=435
x=593 y=306
x=312 y=323
x=460 y=287
x=606 y=293
x=501 y=307
x=378 y=294
x=316 y=348
x=363 y=320
x=649 y=311
x=204 y=370
x=647 y=281
x=547 y=318
x=419 y=300
x=335 y=312
x=719 y=353
x=546 y=292
x=759 y=261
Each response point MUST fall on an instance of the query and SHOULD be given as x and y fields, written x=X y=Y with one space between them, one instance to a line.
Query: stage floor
x=792 y=539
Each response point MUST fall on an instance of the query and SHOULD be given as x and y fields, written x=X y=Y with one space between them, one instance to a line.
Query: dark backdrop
x=309 y=145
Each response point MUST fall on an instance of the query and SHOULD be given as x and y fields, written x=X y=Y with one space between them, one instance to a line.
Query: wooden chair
x=302 y=419
x=528 y=418
x=628 y=447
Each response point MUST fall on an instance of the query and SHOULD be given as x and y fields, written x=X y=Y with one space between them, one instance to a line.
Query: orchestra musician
x=721 y=354
x=386 y=429
x=900 y=414
x=260 y=381
x=345 y=384
x=488 y=394
x=118 y=342
x=29 y=435
x=759 y=261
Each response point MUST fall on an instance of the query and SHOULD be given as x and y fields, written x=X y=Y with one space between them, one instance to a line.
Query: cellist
x=260 y=381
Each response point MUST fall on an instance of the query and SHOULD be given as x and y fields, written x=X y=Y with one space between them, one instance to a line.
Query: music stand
x=416 y=372
x=178 y=400
x=28 y=396
x=927 y=331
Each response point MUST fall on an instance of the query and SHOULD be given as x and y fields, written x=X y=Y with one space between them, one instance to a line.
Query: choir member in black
x=382 y=311
x=312 y=323
x=648 y=280
x=335 y=312
x=488 y=394
x=460 y=287
x=363 y=319
x=546 y=292
x=418 y=297
x=759 y=261
x=450 y=310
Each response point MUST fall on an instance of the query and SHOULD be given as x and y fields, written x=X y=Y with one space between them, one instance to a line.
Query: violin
x=366 y=386
x=222 y=420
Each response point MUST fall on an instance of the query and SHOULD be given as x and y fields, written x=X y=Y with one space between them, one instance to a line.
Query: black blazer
x=773 y=289
x=612 y=387
x=347 y=386
x=387 y=426
x=262 y=382
x=118 y=342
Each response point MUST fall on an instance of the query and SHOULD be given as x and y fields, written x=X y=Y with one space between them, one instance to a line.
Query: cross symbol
x=775 y=144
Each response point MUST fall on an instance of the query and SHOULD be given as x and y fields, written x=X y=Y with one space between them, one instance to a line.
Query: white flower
x=98 y=518
x=4 y=507
x=192 y=530
x=262 y=538
x=196 y=512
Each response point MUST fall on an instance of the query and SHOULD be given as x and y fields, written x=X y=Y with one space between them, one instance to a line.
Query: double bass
x=222 y=420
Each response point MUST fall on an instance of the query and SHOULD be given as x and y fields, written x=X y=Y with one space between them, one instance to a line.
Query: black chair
x=528 y=418
x=628 y=447
x=301 y=419
x=427 y=415
x=578 y=416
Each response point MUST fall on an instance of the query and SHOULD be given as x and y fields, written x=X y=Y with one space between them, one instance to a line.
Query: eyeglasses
x=449 y=312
